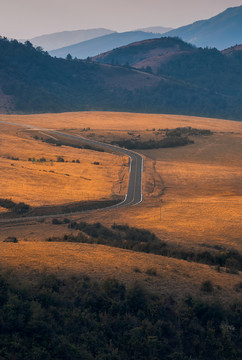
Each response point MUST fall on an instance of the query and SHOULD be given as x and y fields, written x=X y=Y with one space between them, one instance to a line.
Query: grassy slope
x=176 y=277
x=44 y=184
x=200 y=206
x=202 y=197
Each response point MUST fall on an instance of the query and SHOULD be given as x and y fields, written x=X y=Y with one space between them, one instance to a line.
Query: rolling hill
x=207 y=68
x=221 y=31
x=148 y=53
x=35 y=82
x=65 y=38
x=101 y=44
x=232 y=50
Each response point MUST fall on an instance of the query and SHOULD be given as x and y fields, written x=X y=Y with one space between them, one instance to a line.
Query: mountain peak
x=221 y=31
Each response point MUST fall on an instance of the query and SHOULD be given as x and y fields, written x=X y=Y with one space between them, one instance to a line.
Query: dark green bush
x=151 y=272
x=20 y=208
x=207 y=286
x=142 y=240
x=56 y=221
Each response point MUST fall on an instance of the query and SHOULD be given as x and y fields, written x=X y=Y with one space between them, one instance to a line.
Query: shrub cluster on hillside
x=208 y=68
x=17 y=208
x=171 y=141
x=173 y=138
x=125 y=237
x=73 y=318
x=187 y=131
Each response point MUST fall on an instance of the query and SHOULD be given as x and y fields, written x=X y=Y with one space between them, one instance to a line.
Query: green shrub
x=56 y=221
x=238 y=287
x=151 y=271
x=207 y=286
x=21 y=208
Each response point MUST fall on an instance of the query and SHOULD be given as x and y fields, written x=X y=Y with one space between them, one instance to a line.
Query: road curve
x=134 y=193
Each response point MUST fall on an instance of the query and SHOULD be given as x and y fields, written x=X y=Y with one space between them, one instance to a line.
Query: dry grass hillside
x=120 y=121
x=202 y=192
x=172 y=276
x=192 y=197
x=50 y=182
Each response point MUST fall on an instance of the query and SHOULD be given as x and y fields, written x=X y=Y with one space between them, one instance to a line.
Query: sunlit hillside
x=192 y=194
x=39 y=173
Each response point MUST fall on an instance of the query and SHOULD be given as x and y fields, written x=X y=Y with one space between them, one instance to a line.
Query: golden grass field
x=120 y=121
x=55 y=182
x=197 y=188
x=175 y=277
x=202 y=202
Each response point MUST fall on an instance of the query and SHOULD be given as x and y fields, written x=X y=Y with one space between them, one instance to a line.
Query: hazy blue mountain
x=221 y=31
x=102 y=44
x=156 y=29
x=66 y=38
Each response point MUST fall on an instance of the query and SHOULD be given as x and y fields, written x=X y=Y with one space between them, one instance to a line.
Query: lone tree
x=68 y=57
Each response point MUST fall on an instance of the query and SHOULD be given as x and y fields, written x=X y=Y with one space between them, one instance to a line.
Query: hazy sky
x=28 y=18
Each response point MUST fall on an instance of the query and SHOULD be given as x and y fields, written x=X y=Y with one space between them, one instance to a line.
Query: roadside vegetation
x=22 y=209
x=62 y=142
x=162 y=138
x=172 y=141
x=17 y=208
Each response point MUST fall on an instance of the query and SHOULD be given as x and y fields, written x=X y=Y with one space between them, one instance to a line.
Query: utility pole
x=160 y=208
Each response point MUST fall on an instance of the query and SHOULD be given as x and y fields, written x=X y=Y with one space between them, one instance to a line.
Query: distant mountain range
x=202 y=82
x=155 y=29
x=66 y=38
x=221 y=31
x=101 y=44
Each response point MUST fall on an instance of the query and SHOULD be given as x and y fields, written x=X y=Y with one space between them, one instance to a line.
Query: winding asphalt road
x=134 y=194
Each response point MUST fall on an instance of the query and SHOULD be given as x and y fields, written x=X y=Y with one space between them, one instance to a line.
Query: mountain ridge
x=220 y=31
x=155 y=29
x=101 y=44
x=68 y=37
